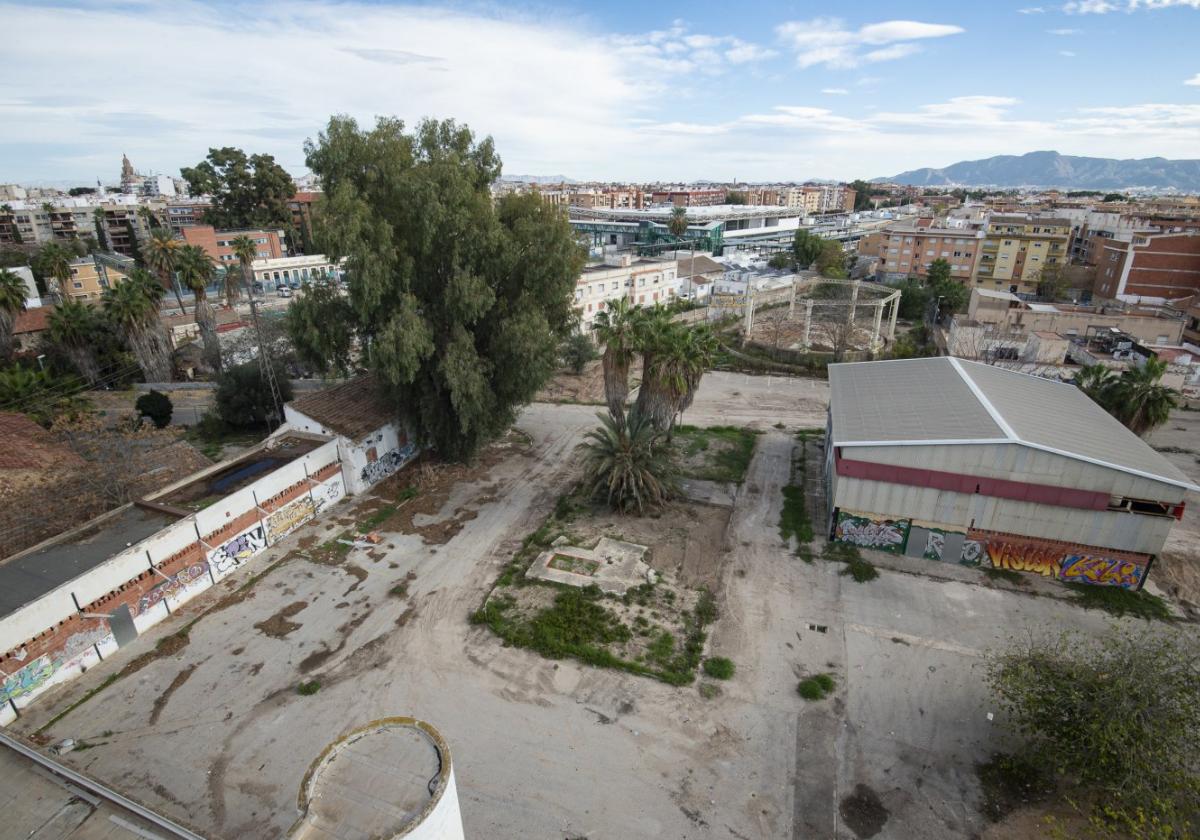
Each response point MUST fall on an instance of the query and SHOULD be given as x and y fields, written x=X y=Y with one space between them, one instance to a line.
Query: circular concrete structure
x=389 y=779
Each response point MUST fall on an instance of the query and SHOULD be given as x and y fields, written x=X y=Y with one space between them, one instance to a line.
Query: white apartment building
x=642 y=281
x=292 y=271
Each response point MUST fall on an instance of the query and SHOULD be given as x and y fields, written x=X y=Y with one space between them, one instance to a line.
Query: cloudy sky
x=603 y=90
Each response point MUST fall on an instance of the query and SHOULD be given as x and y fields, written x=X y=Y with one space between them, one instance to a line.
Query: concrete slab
x=613 y=565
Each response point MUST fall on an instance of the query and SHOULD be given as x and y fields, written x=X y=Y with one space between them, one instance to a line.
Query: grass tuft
x=719 y=668
x=1120 y=601
x=308 y=688
x=816 y=687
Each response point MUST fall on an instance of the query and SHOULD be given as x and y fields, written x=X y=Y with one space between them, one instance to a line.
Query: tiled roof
x=31 y=320
x=354 y=408
x=24 y=445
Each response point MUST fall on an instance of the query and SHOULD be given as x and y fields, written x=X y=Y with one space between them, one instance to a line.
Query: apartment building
x=807 y=199
x=1016 y=248
x=114 y=222
x=1151 y=267
x=218 y=244
x=908 y=249
x=301 y=207
x=91 y=276
x=642 y=281
x=185 y=213
x=689 y=198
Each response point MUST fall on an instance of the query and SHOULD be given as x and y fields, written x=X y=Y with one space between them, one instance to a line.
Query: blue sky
x=613 y=90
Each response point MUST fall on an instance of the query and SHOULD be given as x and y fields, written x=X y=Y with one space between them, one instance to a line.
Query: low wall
x=66 y=631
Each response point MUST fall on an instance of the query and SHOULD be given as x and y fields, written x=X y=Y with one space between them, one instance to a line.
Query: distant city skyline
x=617 y=91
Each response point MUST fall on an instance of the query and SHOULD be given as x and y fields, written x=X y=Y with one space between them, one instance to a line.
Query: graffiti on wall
x=328 y=493
x=972 y=553
x=1024 y=557
x=224 y=559
x=1088 y=568
x=290 y=517
x=171 y=587
x=388 y=463
x=27 y=680
x=868 y=532
x=82 y=642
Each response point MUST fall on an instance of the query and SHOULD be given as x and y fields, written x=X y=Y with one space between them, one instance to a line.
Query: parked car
x=284 y=291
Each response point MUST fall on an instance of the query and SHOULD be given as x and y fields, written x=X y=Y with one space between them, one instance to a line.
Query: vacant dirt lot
x=1177 y=571
x=211 y=729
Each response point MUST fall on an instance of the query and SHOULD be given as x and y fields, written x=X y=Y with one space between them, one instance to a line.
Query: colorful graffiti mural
x=1088 y=568
x=290 y=517
x=224 y=559
x=868 y=532
x=27 y=680
x=1022 y=556
x=171 y=587
x=388 y=463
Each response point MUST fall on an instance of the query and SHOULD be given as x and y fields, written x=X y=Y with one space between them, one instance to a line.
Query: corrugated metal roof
x=950 y=400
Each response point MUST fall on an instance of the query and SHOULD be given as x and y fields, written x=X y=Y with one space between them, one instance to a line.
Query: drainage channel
x=95 y=788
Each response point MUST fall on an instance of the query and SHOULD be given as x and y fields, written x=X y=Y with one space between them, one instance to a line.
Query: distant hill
x=1050 y=169
x=539 y=179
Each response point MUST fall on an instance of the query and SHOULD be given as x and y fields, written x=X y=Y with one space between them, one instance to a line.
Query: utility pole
x=266 y=369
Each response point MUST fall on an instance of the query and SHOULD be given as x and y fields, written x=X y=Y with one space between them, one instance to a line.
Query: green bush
x=815 y=688
x=157 y=407
x=577 y=351
x=243 y=399
x=719 y=668
x=308 y=688
x=861 y=570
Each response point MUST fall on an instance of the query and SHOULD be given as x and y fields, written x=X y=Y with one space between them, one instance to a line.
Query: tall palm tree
x=616 y=328
x=627 y=462
x=133 y=307
x=162 y=255
x=1097 y=382
x=54 y=261
x=245 y=250
x=72 y=327
x=677 y=225
x=701 y=349
x=654 y=332
x=1140 y=399
x=12 y=303
x=196 y=271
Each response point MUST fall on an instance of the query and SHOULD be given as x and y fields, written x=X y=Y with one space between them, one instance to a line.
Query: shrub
x=243 y=399
x=719 y=668
x=308 y=688
x=861 y=570
x=577 y=351
x=157 y=407
x=815 y=688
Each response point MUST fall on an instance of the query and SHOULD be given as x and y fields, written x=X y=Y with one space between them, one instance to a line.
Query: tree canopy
x=248 y=191
x=807 y=247
x=459 y=303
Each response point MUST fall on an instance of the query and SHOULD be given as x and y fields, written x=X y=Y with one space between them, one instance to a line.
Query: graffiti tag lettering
x=972 y=553
x=885 y=534
x=1025 y=557
x=387 y=463
x=172 y=586
x=290 y=517
x=328 y=493
x=27 y=680
x=1086 y=568
x=228 y=557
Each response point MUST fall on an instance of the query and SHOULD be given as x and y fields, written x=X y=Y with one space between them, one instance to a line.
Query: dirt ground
x=567 y=387
x=774 y=328
x=1177 y=570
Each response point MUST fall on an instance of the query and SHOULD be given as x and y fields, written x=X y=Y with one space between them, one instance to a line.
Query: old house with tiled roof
x=372 y=442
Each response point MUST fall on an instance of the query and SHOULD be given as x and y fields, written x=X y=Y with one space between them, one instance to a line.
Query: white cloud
x=1103 y=7
x=1195 y=80
x=676 y=51
x=1066 y=53
x=828 y=41
x=741 y=52
x=1031 y=10
x=1064 y=31
x=844 y=92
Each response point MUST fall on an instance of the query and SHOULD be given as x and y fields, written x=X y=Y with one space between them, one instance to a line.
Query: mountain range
x=1050 y=169
x=539 y=179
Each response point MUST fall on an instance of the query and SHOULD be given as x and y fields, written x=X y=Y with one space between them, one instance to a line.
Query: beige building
x=908 y=249
x=1016 y=248
x=642 y=281
x=1010 y=315
x=90 y=277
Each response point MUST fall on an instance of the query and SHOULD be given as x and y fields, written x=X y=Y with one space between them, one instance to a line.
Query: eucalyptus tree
x=458 y=302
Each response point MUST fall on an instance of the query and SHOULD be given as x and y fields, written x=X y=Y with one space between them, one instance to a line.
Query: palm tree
x=54 y=261
x=196 y=272
x=677 y=225
x=1140 y=400
x=702 y=346
x=1097 y=382
x=655 y=333
x=12 y=303
x=72 y=326
x=627 y=462
x=245 y=250
x=162 y=255
x=133 y=307
x=616 y=328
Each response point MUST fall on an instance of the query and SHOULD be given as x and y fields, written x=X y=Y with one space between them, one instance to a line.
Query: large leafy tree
x=1115 y=716
x=244 y=399
x=133 y=307
x=12 y=304
x=196 y=271
x=627 y=462
x=72 y=327
x=162 y=257
x=938 y=273
x=807 y=247
x=248 y=191
x=459 y=303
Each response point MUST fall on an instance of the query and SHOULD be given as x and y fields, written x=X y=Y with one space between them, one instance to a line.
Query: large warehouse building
x=964 y=462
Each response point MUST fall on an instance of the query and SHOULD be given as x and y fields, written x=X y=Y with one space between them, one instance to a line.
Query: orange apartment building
x=218 y=244
x=907 y=250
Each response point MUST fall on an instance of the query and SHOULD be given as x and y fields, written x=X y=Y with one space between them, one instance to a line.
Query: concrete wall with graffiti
x=161 y=573
x=391 y=449
x=972 y=547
